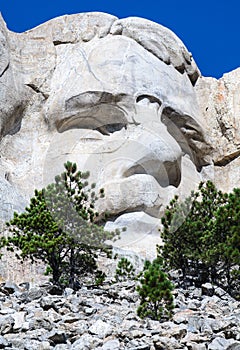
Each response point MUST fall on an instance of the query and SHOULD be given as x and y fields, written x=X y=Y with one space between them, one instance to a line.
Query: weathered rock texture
x=125 y=100
x=219 y=102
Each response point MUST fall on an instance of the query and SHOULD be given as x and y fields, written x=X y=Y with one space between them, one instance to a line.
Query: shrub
x=59 y=228
x=155 y=291
x=100 y=277
x=125 y=270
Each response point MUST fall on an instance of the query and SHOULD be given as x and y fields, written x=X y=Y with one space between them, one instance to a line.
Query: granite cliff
x=126 y=101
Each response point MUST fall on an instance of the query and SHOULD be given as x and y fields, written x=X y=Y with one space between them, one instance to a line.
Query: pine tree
x=155 y=291
x=59 y=228
x=223 y=253
x=202 y=238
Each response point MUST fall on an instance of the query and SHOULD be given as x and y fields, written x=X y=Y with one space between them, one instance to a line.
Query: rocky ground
x=104 y=318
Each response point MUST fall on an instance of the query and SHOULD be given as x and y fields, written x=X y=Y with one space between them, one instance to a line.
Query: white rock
x=220 y=343
x=19 y=319
x=113 y=344
x=101 y=329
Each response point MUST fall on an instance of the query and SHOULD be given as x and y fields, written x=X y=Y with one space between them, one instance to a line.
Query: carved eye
x=148 y=99
x=111 y=128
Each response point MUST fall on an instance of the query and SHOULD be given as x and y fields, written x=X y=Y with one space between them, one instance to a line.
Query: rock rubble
x=104 y=318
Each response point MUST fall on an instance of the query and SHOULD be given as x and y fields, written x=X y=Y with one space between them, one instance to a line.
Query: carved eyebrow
x=85 y=99
x=93 y=98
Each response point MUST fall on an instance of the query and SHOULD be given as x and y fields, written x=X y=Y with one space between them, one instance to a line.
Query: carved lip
x=138 y=192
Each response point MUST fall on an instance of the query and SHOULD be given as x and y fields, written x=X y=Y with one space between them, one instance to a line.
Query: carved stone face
x=125 y=109
x=131 y=118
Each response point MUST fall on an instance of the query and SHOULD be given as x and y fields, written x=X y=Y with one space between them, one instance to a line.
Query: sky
x=210 y=29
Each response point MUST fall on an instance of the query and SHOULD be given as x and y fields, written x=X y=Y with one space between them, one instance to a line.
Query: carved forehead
x=118 y=65
x=86 y=27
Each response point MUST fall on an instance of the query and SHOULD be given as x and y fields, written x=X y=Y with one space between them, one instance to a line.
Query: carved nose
x=166 y=173
x=157 y=154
